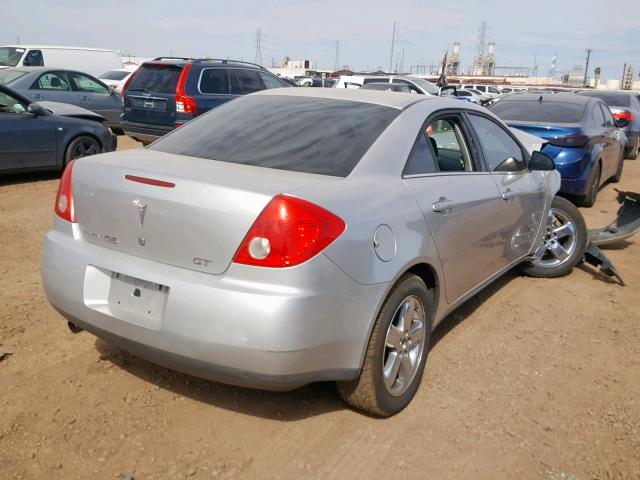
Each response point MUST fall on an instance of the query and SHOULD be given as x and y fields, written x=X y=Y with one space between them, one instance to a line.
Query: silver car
x=303 y=235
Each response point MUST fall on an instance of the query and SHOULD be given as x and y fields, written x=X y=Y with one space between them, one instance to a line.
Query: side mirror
x=37 y=110
x=511 y=165
x=541 y=162
x=621 y=122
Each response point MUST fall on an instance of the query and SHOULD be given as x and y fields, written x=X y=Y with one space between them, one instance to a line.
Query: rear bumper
x=251 y=327
x=144 y=132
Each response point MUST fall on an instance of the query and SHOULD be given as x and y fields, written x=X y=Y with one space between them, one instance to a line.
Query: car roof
x=552 y=97
x=209 y=62
x=62 y=47
x=376 y=97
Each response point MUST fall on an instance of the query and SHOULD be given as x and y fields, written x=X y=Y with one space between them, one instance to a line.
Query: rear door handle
x=85 y=98
x=508 y=195
x=442 y=206
x=37 y=96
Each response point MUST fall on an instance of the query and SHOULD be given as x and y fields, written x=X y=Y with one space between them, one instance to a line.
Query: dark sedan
x=584 y=139
x=68 y=86
x=623 y=105
x=33 y=138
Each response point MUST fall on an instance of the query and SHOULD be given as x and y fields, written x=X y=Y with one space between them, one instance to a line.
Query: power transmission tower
x=586 y=67
x=336 y=61
x=393 y=41
x=258 y=59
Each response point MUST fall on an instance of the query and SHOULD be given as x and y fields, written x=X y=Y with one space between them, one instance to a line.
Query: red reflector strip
x=150 y=181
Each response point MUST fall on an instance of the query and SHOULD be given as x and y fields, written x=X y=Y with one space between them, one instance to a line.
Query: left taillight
x=624 y=115
x=64 y=199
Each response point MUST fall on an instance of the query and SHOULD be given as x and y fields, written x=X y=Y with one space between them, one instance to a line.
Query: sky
x=303 y=29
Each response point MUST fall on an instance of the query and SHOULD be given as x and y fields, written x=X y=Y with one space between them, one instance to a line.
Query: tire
x=383 y=395
x=549 y=261
x=118 y=131
x=616 y=178
x=82 y=146
x=594 y=186
x=632 y=153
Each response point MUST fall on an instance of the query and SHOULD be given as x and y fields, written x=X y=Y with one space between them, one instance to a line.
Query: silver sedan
x=303 y=235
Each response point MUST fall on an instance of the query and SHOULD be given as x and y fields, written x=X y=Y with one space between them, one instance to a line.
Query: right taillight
x=64 y=199
x=184 y=103
x=289 y=231
x=570 y=141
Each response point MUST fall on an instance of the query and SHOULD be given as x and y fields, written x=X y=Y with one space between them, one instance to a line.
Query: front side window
x=448 y=143
x=272 y=82
x=84 y=83
x=310 y=135
x=215 y=80
x=52 y=81
x=501 y=152
x=33 y=59
x=244 y=82
x=10 y=105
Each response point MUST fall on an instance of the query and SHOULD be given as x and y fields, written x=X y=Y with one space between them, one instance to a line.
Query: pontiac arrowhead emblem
x=142 y=210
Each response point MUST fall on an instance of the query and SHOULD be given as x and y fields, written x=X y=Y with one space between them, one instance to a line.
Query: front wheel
x=82 y=146
x=563 y=244
x=396 y=354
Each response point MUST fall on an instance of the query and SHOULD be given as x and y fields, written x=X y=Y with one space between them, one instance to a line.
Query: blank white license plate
x=137 y=296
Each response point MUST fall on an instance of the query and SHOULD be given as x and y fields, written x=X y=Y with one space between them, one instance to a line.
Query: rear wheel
x=590 y=198
x=82 y=146
x=563 y=244
x=396 y=354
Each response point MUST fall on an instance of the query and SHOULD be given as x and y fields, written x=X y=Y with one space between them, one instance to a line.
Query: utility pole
x=586 y=67
x=402 y=61
x=258 y=59
x=393 y=41
x=336 y=61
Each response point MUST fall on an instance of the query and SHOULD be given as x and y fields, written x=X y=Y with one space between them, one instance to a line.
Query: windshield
x=10 y=56
x=114 y=75
x=7 y=76
x=426 y=86
x=536 y=111
x=310 y=135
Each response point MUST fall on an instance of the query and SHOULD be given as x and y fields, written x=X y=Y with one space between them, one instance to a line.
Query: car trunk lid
x=183 y=211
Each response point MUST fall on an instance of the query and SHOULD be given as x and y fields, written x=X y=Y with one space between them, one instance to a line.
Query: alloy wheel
x=404 y=346
x=559 y=241
x=84 y=148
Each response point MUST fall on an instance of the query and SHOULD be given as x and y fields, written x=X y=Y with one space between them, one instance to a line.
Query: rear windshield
x=610 y=98
x=310 y=135
x=8 y=76
x=535 y=111
x=114 y=75
x=160 y=78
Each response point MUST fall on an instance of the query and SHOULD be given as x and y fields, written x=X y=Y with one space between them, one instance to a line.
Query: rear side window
x=85 y=83
x=421 y=161
x=161 y=78
x=322 y=136
x=536 y=111
x=608 y=118
x=215 y=80
x=497 y=145
x=244 y=82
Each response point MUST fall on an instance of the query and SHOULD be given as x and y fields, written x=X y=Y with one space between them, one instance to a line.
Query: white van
x=89 y=60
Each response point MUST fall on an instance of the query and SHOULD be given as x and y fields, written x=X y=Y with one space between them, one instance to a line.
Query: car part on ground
x=626 y=224
x=276 y=243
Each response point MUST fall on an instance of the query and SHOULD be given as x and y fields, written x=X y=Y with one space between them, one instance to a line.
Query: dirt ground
x=530 y=379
